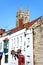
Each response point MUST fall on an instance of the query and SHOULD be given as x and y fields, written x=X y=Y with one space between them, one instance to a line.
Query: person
x=14 y=60
x=13 y=54
x=21 y=58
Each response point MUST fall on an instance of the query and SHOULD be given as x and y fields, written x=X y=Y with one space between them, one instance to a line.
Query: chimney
x=20 y=22
x=2 y=31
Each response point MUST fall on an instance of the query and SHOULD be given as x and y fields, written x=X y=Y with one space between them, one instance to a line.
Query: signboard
x=1 y=53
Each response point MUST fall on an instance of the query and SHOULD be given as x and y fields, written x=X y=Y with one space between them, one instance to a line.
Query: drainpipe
x=33 y=48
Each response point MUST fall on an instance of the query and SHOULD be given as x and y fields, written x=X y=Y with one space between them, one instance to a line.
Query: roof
x=2 y=31
x=16 y=29
x=27 y=25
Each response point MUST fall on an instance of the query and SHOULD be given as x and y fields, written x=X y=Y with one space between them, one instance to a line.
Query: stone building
x=38 y=41
x=22 y=15
x=27 y=36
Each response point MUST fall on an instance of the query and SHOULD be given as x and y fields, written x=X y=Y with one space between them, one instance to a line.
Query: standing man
x=13 y=58
x=21 y=58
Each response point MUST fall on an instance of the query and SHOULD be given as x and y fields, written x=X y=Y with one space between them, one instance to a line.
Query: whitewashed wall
x=15 y=43
x=29 y=47
x=3 y=57
x=18 y=40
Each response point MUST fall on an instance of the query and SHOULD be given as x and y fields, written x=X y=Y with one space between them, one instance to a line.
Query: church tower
x=22 y=15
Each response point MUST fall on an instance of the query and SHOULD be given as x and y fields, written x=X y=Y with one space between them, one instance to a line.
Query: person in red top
x=21 y=58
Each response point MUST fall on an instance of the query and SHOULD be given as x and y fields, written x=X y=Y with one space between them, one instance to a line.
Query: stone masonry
x=38 y=41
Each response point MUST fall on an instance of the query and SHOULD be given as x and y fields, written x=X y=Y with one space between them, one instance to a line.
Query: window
x=28 y=42
x=6 y=58
x=25 y=18
x=14 y=44
x=17 y=42
x=20 y=42
x=0 y=46
x=20 y=38
x=28 y=59
x=14 y=40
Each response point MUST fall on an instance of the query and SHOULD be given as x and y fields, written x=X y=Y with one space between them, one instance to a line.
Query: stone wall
x=38 y=42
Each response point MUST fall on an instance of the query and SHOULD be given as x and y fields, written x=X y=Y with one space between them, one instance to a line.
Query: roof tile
x=27 y=25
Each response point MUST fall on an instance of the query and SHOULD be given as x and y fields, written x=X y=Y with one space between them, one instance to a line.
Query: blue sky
x=8 y=9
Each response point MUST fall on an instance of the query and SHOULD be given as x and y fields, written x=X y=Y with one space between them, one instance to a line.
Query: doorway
x=0 y=59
